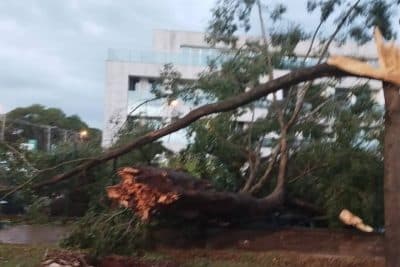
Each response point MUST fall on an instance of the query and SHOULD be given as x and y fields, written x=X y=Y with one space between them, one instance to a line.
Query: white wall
x=116 y=91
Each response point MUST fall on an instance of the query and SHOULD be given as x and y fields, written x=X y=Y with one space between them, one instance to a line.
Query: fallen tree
x=166 y=194
x=228 y=204
x=149 y=190
x=284 y=82
x=337 y=66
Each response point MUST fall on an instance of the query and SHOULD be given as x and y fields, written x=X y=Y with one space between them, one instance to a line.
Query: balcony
x=187 y=56
x=199 y=57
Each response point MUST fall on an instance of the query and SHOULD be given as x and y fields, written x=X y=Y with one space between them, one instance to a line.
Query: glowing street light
x=83 y=134
x=174 y=103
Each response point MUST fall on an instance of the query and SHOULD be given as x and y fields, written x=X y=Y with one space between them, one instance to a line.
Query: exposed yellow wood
x=349 y=218
x=389 y=62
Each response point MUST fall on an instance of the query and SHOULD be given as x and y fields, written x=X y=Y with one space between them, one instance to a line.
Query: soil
x=346 y=242
x=286 y=247
x=119 y=261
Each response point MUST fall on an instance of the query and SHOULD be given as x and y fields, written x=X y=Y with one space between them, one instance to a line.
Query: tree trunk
x=148 y=191
x=392 y=175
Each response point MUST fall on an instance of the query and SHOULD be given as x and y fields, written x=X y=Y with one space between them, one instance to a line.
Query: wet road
x=32 y=234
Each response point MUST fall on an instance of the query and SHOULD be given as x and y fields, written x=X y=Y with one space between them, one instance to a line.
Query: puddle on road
x=32 y=234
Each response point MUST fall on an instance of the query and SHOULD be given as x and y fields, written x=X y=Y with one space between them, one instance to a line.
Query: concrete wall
x=116 y=91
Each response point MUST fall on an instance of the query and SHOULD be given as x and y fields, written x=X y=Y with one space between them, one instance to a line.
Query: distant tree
x=39 y=114
x=35 y=122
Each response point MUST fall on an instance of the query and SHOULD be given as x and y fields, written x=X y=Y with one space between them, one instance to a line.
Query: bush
x=116 y=231
x=39 y=210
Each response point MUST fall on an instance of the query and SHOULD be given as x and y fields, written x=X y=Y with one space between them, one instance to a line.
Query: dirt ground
x=278 y=248
x=233 y=248
x=345 y=242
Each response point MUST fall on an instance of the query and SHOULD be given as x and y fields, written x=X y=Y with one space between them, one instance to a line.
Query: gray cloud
x=53 y=52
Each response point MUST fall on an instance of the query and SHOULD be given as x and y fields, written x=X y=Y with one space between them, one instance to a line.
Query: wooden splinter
x=349 y=218
x=388 y=57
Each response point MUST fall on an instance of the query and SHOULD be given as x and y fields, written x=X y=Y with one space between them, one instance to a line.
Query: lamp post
x=83 y=134
x=3 y=126
x=48 y=141
x=3 y=116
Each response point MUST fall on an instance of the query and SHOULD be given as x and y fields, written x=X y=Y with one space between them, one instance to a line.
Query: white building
x=130 y=74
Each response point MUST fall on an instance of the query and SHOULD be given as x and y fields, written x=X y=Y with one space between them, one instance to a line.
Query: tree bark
x=392 y=174
x=148 y=190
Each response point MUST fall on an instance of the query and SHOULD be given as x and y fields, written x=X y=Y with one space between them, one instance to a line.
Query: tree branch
x=262 y=90
x=19 y=154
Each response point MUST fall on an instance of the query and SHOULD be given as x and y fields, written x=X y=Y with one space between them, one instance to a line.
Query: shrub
x=116 y=231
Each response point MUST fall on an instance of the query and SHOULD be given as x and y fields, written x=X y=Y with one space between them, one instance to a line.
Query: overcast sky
x=53 y=52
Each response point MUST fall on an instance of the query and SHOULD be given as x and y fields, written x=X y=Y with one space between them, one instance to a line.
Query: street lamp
x=174 y=103
x=48 y=127
x=83 y=134
x=3 y=122
x=3 y=126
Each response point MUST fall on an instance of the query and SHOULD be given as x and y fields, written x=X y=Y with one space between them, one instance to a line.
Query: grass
x=22 y=255
x=30 y=256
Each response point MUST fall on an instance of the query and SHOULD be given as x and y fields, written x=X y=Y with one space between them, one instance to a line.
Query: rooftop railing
x=192 y=57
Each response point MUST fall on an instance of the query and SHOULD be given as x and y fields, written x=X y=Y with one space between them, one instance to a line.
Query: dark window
x=132 y=83
x=153 y=83
x=268 y=142
x=341 y=93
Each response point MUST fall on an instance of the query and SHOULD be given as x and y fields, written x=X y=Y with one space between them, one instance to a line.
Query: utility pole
x=65 y=135
x=3 y=127
x=48 y=142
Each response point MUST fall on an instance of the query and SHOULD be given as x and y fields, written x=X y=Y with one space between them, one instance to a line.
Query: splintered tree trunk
x=392 y=175
x=148 y=190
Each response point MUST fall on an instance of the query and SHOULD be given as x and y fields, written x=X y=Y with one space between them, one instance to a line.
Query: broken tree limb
x=389 y=62
x=348 y=218
x=149 y=190
x=284 y=82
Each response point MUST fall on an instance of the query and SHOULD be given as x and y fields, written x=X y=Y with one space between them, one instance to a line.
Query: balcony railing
x=192 y=57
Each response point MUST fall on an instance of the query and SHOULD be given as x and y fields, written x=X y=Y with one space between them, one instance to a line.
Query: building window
x=132 y=83
x=341 y=93
x=153 y=83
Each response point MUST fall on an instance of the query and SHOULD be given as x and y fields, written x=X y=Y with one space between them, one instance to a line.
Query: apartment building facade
x=130 y=75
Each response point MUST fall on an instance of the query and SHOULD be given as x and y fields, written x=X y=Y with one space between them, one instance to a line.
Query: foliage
x=35 y=122
x=227 y=17
x=329 y=129
x=349 y=168
x=38 y=211
x=21 y=167
x=47 y=116
x=105 y=233
x=345 y=177
x=207 y=166
x=25 y=168
x=135 y=127
x=72 y=197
